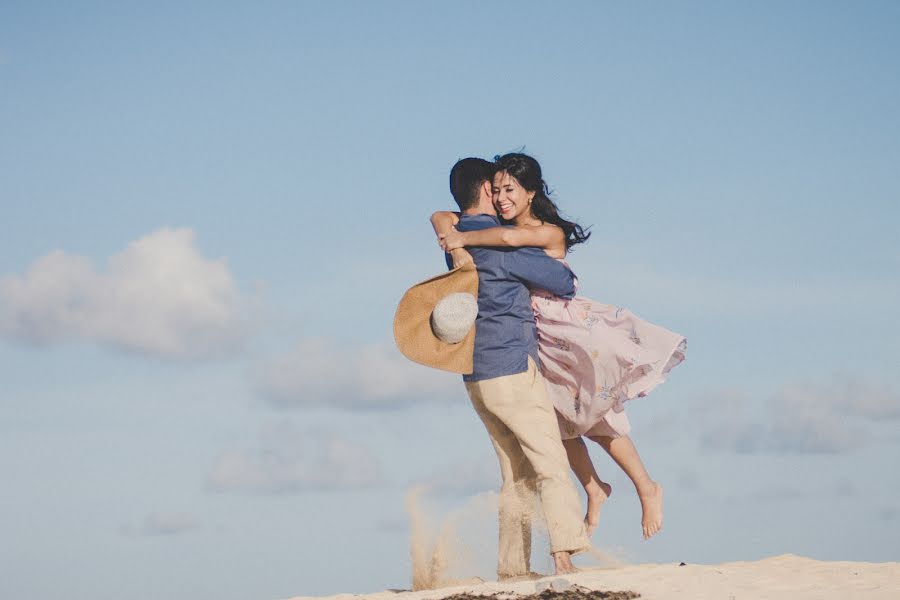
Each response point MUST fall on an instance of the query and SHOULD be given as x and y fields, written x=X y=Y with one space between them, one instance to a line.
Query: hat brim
x=412 y=322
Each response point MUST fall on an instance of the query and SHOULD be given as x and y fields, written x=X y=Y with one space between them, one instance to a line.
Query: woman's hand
x=461 y=257
x=452 y=240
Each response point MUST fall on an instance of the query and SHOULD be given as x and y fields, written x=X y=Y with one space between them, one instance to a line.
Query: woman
x=594 y=356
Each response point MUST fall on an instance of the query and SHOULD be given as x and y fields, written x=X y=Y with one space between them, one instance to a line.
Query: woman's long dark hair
x=527 y=172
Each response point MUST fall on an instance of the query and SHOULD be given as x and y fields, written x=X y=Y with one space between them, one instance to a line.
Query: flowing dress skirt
x=595 y=357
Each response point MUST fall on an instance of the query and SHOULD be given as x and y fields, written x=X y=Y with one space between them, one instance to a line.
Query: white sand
x=786 y=577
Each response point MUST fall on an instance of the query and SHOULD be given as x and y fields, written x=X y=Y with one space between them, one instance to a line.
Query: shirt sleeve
x=534 y=268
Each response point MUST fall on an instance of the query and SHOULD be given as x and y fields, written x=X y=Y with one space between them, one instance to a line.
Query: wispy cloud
x=688 y=480
x=697 y=293
x=319 y=372
x=799 y=419
x=163 y=524
x=780 y=492
x=889 y=513
x=158 y=296
x=463 y=478
x=287 y=458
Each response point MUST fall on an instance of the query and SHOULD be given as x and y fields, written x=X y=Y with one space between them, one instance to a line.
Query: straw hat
x=434 y=321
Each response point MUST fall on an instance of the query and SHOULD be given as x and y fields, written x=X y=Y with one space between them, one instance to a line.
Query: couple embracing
x=548 y=368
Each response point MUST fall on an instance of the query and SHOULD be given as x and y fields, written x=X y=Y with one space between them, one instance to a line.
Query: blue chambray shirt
x=505 y=333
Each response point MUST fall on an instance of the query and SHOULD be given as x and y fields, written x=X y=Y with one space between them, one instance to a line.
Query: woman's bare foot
x=652 y=508
x=562 y=562
x=596 y=496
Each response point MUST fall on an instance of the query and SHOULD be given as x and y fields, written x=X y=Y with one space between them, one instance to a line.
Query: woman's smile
x=510 y=199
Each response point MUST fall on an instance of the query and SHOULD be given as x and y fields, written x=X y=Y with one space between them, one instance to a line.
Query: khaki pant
x=522 y=425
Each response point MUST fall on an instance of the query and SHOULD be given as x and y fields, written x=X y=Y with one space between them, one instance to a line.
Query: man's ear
x=488 y=188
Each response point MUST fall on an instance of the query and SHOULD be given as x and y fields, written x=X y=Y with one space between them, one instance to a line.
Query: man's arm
x=536 y=269
x=443 y=221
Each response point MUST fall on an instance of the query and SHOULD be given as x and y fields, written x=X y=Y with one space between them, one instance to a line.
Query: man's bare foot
x=596 y=496
x=562 y=563
x=652 y=508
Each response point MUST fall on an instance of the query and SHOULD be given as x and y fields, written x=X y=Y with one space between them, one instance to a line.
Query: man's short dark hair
x=466 y=178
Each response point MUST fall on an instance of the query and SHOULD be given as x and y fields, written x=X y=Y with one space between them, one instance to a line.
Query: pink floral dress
x=595 y=357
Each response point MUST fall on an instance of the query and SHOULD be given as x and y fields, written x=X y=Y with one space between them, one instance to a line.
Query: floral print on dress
x=562 y=345
x=635 y=337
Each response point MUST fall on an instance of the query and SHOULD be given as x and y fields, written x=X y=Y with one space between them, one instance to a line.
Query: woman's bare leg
x=598 y=491
x=622 y=450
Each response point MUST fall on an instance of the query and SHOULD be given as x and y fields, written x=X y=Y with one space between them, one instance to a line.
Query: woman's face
x=510 y=199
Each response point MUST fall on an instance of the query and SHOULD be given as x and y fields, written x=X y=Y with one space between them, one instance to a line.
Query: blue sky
x=210 y=212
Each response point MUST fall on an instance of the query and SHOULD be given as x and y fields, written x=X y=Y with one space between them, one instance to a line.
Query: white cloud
x=289 y=459
x=158 y=296
x=320 y=372
x=801 y=419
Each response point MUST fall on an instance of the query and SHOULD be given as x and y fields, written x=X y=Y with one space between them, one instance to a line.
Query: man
x=506 y=387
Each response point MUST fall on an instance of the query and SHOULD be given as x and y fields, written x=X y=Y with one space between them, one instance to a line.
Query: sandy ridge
x=785 y=577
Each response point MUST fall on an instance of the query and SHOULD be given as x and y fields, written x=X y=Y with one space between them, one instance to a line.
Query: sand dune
x=786 y=577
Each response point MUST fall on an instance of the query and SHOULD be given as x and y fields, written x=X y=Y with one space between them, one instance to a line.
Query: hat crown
x=453 y=317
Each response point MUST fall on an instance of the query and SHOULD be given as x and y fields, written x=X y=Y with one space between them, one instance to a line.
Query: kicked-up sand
x=786 y=577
